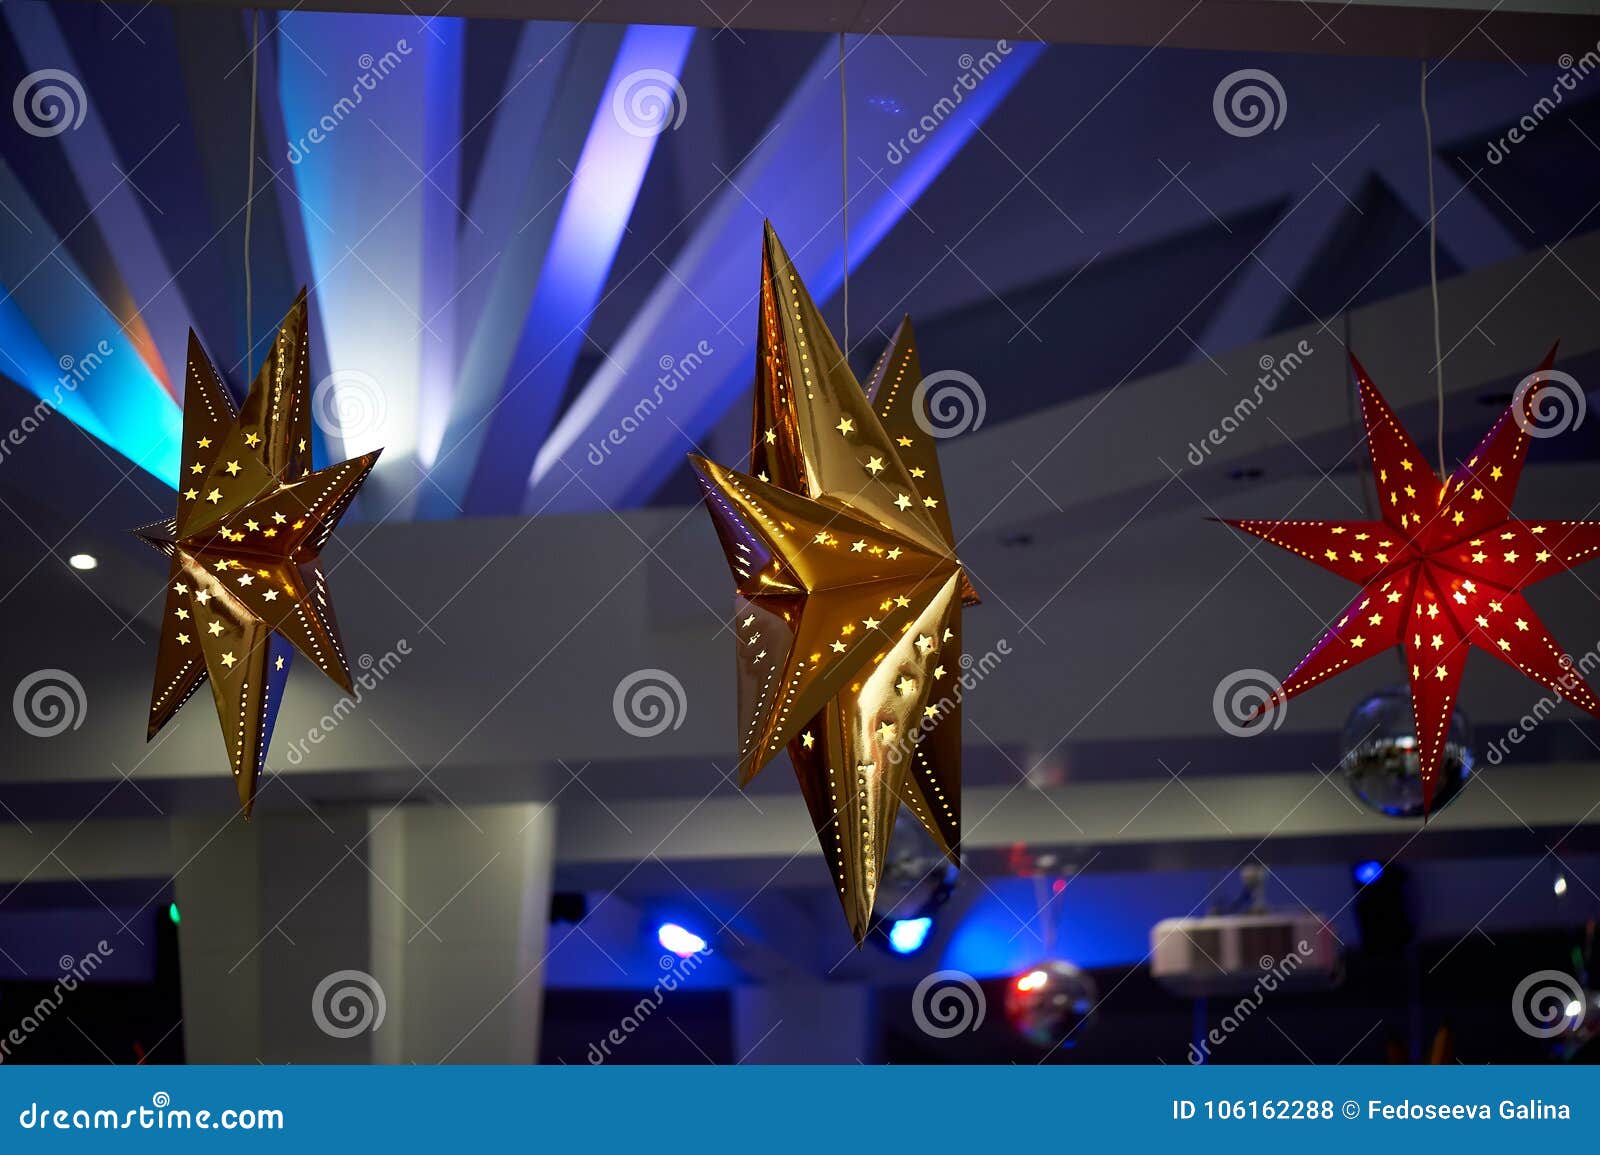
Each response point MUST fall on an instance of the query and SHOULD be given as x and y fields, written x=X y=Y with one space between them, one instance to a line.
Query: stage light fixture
x=907 y=935
x=681 y=942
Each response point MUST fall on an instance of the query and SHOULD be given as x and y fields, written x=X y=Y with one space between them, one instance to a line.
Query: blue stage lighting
x=906 y=935
x=1368 y=872
x=681 y=942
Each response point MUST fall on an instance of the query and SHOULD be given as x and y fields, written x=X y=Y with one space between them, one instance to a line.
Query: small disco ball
x=1051 y=1003
x=1381 y=763
x=913 y=872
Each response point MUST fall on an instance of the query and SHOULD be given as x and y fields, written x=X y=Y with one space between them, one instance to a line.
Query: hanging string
x=1433 y=272
x=1369 y=493
x=844 y=190
x=250 y=195
x=1043 y=893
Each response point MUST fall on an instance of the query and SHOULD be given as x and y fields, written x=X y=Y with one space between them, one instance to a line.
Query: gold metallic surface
x=848 y=590
x=246 y=587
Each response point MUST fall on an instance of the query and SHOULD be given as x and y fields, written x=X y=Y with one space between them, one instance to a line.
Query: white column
x=466 y=930
x=437 y=916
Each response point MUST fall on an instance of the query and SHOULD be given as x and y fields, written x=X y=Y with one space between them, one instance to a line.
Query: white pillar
x=439 y=916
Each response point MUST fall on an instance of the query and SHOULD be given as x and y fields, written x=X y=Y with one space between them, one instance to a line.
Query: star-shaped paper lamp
x=1442 y=572
x=246 y=587
x=848 y=591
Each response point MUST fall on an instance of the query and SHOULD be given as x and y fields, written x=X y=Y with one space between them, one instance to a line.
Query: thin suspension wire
x=1433 y=272
x=250 y=195
x=844 y=189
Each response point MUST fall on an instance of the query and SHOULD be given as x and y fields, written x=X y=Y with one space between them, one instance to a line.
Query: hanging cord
x=844 y=190
x=1369 y=494
x=1043 y=895
x=250 y=195
x=1433 y=272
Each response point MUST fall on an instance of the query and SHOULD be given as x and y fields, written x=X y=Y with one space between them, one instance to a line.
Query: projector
x=1233 y=954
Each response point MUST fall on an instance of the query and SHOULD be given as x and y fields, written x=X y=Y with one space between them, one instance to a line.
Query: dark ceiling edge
x=1329 y=29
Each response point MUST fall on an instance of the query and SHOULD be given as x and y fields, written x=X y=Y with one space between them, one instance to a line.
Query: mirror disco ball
x=1380 y=759
x=1051 y=1003
x=913 y=871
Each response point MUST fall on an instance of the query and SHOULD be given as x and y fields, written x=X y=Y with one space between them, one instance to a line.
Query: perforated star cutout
x=246 y=584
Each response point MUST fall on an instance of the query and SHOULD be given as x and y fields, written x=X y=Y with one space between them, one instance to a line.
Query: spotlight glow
x=681 y=942
x=1561 y=885
x=1575 y=1009
x=83 y=561
x=906 y=935
x=1368 y=872
x=1032 y=981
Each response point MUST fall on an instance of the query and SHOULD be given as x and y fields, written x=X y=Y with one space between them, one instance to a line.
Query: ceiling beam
x=1175 y=828
x=1532 y=30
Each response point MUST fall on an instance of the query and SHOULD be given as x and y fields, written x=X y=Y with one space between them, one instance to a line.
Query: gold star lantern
x=848 y=590
x=246 y=587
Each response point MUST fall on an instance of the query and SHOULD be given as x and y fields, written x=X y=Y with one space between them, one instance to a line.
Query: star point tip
x=773 y=248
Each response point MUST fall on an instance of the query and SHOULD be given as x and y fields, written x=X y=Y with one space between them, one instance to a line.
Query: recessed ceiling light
x=83 y=561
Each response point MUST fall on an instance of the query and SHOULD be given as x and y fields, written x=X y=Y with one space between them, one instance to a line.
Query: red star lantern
x=1443 y=571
